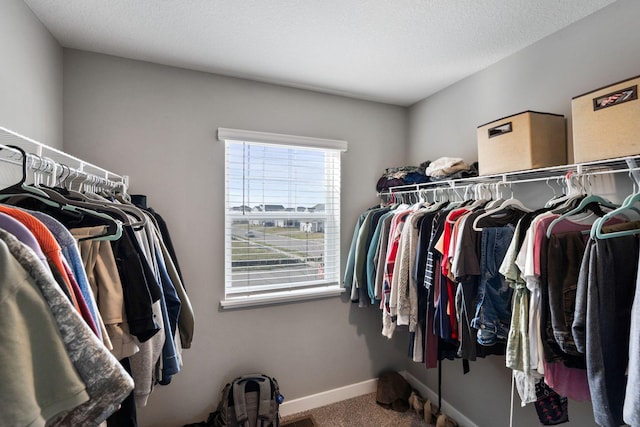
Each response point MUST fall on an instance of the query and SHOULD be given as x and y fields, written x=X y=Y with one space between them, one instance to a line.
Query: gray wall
x=594 y=52
x=158 y=125
x=599 y=50
x=30 y=75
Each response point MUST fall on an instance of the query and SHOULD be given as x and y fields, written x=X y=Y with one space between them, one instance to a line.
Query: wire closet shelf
x=57 y=164
x=628 y=164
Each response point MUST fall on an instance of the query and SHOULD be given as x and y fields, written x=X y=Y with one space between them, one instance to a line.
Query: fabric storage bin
x=527 y=140
x=606 y=122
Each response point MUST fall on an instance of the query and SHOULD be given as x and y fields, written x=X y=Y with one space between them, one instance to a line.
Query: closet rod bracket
x=633 y=169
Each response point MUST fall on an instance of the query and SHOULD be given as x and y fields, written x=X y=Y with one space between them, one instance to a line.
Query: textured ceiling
x=395 y=51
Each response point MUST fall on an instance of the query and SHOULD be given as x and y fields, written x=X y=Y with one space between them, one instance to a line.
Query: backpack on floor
x=249 y=401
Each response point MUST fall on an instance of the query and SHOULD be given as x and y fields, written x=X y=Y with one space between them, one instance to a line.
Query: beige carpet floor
x=361 y=411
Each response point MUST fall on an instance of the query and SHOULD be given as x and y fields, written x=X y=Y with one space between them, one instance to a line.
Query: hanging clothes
x=185 y=318
x=108 y=315
x=603 y=318
x=631 y=408
x=538 y=287
x=104 y=383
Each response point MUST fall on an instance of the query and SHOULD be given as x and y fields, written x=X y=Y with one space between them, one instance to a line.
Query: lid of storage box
x=517 y=114
x=606 y=86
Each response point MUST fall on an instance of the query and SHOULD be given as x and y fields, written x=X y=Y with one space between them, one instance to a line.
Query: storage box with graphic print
x=606 y=122
x=527 y=140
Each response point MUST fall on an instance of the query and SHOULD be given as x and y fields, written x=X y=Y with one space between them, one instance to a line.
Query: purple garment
x=385 y=183
x=23 y=234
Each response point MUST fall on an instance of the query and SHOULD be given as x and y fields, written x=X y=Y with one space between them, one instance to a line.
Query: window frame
x=280 y=293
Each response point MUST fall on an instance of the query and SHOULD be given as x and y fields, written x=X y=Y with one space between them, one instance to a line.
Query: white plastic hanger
x=581 y=206
x=574 y=190
x=511 y=203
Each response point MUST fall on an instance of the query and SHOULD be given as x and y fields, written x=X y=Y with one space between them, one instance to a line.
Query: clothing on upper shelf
x=404 y=175
x=95 y=319
x=450 y=168
x=469 y=281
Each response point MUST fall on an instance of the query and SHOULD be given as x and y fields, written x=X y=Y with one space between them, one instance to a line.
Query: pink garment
x=569 y=382
x=395 y=232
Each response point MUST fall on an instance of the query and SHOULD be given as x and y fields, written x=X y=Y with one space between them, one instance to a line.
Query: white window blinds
x=282 y=211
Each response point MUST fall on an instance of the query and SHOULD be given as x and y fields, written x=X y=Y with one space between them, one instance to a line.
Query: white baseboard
x=328 y=397
x=427 y=393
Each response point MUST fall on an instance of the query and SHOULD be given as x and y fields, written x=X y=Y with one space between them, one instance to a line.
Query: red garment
x=82 y=304
x=448 y=227
x=451 y=285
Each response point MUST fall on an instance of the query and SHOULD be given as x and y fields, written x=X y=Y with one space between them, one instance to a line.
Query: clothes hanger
x=414 y=200
x=98 y=185
x=575 y=191
x=494 y=202
x=114 y=225
x=464 y=202
x=511 y=204
x=478 y=200
x=627 y=204
x=77 y=199
x=21 y=186
x=587 y=202
x=25 y=191
x=556 y=199
x=452 y=204
x=425 y=203
x=598 y=233
x=38 y=195
x=121 y=193
x=399 y=201
x=442 y=196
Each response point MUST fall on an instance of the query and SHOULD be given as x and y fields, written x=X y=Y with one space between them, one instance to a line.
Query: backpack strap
x=264 y=407
x=239 y=402
x=264 y=396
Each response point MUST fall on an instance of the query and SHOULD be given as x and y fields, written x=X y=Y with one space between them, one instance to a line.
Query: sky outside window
x=274 y=175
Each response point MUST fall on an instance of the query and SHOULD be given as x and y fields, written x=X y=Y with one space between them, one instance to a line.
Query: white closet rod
x=601 y=167
x=62 y=162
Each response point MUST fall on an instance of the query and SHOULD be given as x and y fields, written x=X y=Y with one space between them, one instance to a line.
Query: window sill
x=281 y=297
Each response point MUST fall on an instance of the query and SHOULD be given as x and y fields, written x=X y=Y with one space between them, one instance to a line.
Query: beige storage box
x=606 y=122
x=523 y=141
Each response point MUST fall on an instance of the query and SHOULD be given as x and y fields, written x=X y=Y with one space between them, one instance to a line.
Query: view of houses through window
x=285 y=248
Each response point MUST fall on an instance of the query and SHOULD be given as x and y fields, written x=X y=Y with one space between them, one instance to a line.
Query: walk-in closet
x=190 y=192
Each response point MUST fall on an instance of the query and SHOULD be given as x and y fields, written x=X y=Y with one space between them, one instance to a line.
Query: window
x=282 y=217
